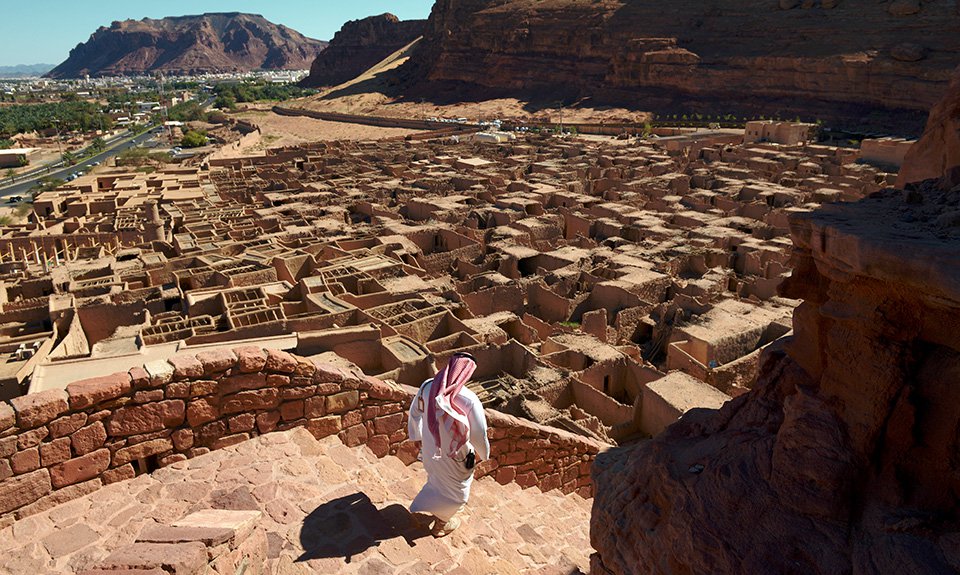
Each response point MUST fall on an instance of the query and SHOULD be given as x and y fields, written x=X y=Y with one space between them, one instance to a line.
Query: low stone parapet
x=61 y=444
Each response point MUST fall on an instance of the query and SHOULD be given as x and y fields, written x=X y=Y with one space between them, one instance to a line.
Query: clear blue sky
x=44 y=31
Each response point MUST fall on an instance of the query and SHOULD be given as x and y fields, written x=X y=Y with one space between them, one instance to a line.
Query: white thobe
x=448 y=480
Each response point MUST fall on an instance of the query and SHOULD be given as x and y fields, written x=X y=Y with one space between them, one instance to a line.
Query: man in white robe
x=453 y=444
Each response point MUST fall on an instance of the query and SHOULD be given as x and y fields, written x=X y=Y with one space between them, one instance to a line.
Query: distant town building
x=16 y=157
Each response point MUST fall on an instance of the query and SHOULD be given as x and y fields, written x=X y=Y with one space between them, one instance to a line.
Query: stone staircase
x=286 y=503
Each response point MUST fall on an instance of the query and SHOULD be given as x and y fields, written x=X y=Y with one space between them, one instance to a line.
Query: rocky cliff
x=846 y=456
x=937 y=154
x=360 y=45
x=811 y=57
x=220 y=42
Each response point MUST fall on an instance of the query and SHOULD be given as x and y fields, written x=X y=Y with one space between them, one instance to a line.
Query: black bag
x=470 y=460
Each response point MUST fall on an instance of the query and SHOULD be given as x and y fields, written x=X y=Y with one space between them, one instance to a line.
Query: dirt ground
x=375 y=92
x=289 y=130
x=10 y=214
x=498 y=108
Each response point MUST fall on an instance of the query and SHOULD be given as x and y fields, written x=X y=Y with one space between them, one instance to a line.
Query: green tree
x=11 y=173
x=226 y=102
x=98 y=144
x=70 y=116
x=48 y=183
x=187 y=112
x=194 y=139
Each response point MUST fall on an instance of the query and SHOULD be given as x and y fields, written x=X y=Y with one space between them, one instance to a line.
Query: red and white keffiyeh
x=441 y=409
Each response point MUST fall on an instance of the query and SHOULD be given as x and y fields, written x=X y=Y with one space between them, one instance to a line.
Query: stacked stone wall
x=57 y=445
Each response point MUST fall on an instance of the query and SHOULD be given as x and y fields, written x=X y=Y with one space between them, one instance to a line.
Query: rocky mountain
x=359 y=45
x=845 y=458
x=810 y=57
x=25 y=70
x=216 y=42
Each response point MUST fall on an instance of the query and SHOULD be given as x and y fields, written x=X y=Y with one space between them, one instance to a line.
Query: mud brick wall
x=57 y=445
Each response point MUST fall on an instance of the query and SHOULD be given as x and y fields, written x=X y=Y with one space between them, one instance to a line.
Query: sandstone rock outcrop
x=937 y=154
x=720 y=55
x=216 y=42
x=359 y=45
x=845 y=458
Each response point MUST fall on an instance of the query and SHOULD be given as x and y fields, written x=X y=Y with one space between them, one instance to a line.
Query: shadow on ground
x=352 y=524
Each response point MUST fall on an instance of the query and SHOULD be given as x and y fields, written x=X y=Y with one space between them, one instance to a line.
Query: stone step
x=212 y=541
x=322 y=507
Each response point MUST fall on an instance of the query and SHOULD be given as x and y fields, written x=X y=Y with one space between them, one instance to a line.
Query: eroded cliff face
x=217 y=42
x=724 y=54
x=937 y=154
x=845 y=458
x=360 y=45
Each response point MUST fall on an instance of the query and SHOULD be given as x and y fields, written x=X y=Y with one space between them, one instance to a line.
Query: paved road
x=45 y=169
x=22 y=187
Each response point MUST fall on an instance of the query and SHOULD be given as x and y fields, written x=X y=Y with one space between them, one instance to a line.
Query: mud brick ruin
x=578 y=272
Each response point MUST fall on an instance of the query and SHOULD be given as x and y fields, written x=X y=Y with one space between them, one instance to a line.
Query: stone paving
x=326 y=508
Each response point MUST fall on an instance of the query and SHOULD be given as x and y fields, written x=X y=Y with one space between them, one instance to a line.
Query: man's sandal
x=442 y=530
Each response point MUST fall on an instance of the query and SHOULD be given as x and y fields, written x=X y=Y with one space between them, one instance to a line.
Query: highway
x=21 y=188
